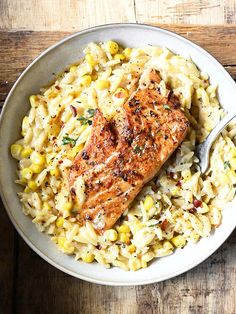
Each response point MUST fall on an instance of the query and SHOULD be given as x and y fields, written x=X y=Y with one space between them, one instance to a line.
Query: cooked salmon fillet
x=122 y=155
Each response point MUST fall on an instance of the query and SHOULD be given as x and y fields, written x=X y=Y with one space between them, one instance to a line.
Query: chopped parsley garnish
x=167 y=107
x=226 y=164
x=68 y=140
x=91 y=112
x=137 y=149
x=86 y=120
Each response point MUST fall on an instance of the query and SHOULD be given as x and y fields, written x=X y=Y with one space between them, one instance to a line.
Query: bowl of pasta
x=98 y=169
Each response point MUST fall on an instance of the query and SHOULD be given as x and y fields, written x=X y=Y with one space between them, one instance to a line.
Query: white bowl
x=54 y=60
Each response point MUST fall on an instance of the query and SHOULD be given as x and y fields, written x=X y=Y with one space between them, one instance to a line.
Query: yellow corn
x=33 y=101
x=123 y=229
x=50 y=157
x=73 y=68
x=46 y=206
x=37 y=159
x=111 y=235
x=27 y=189
x=112 y=47
x=121 y=93
x=178 y=241
x=119 y=56
x=102 y=84
x=67 y=206
x=16 y=150
x=143 y=264
x=60 y=222
x=55 y=172
x=87 y=257
x=148 y=202
x=25 y=125
x=186 y=174
x=131 y=248
x=86 y=80
x=167 y=245
x=232 y=152
x=127 y=52
x=32 y=185
x=124 y=237
x=64 y=245
x=174 y=191
x=26 y=173
x=233 y=163
x=90 y=59
x=26 y=152
x=36 y=168
x=134 y=264
x=74 y=151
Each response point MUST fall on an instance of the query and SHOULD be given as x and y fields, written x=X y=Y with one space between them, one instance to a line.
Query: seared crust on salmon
x=127 y=152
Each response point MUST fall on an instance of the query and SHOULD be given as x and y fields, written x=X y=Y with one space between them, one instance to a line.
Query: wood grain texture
x=74 y=15
x=30 y=285
x=21 y=47
x=208 y=12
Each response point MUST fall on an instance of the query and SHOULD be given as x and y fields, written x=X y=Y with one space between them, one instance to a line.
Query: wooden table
x=27 y=283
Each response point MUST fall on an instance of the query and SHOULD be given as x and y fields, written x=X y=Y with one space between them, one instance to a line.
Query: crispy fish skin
x=124 y=154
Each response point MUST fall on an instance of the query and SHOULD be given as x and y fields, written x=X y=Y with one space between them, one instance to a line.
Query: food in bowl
x=178 y=206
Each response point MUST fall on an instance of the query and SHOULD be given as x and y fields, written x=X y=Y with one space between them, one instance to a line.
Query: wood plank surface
x=39 y=288
x=74 y=15
x=21 y=47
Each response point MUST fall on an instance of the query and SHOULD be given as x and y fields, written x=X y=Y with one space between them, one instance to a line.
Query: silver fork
x=203 y=150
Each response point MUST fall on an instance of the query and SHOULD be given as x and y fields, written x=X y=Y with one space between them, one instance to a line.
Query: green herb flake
x=137 y=149
x=68 y=140
x=226 y=164
x=91 y=112
x=167 y=107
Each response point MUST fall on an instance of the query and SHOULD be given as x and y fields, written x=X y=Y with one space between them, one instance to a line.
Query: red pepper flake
x=170 y=174
x=60 y=161
x=120 y=95
x=197 y=203
x=164 y=224
x=179 y=183
x=57 y=87
x=192 y=210
x=73 y=110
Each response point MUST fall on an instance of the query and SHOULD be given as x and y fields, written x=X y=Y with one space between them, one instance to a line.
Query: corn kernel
x=131 y=248
x=111 y=235
x=167 y=245
x=32 y=185
x=175 y=190
x=55 y=172
x=50 y=157
x=33 y=101
x=73 y=68
x=37 y=159
x=178 y=241
x=86 y=80
x=25 y=125
x=16 y=150
x=46 y=206
x=134 y=264
x=26 y=152
x=102 y=84
x=112 y=47
x=143 y=264
x=148 y=202
x=67 y=206
x=232 y=152
x=186 y=174
x=26 y=173
x=27 y=189
x=59 y=222
x=123 y=228
x=87 y=257
x=119 y=56
x=36 y=168
x=64 y=245
x=127 y=52
x=121 y=93
x=90 y=59
x=233 y=163
x=124 y=237
x=74 y=151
